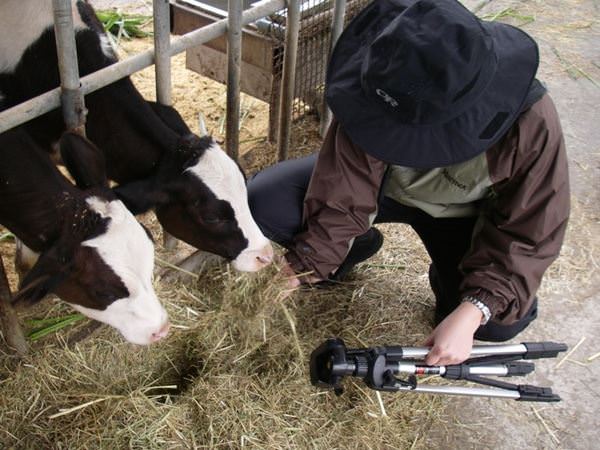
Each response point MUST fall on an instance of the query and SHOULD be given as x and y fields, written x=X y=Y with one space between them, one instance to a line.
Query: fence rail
x=50 y=100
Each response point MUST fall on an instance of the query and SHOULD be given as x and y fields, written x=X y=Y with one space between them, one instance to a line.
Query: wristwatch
x=485 y=311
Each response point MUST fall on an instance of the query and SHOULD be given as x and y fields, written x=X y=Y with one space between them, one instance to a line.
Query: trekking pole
x=379 y=368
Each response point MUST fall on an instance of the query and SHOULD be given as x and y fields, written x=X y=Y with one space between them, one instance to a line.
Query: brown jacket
x=519 y=189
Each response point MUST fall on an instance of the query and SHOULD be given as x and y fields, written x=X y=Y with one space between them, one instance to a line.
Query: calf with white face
x=93 y=253
x=201 y=198
x=198 y=192
x=228 y=208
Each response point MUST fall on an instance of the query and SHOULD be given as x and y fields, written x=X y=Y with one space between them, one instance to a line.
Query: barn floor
x=233 y=373
x=568 y=34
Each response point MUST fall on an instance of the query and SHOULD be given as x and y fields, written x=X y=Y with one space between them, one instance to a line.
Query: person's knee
x=258 y=199
x=276 y=203
x=263 y=206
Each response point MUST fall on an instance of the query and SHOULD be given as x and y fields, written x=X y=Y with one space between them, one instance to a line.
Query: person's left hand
x=452 y=339
x=294 y=279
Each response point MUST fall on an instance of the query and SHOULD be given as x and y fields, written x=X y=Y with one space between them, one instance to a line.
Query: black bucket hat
x=426 y=83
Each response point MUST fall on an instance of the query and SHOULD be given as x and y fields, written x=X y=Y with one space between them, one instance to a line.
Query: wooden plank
x=257 y=49
x=213 y=64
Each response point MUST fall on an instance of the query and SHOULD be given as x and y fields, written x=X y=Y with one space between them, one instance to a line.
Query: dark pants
x=276 y=196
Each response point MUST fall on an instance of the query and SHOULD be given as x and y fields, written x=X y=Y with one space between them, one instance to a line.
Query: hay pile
x=234 y=370
x=233 y=373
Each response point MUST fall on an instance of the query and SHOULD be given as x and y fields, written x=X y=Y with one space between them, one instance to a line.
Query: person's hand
x=452 y=339
x=288 y=272
x=294 y=279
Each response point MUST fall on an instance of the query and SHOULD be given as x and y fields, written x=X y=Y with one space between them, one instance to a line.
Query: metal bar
x=459 y=390
x=288 y=81
x=307 y=8
x=73 y=106
x=50 y=100
x=162 y=42
x=162 y=70
x=337 y=26
x=234 y=61
x=478 y=350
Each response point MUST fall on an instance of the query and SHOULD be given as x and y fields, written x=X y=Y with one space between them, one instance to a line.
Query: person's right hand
x=452 y=339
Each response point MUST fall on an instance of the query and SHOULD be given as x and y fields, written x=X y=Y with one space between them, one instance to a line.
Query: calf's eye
x=212 y=220
x=105 y=296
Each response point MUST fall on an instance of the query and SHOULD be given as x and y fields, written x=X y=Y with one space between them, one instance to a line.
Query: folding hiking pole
x=379 y=367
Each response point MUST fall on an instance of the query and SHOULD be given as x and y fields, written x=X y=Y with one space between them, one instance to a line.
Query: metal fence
x=73 y=89
x=265 y=48
x=321 y=24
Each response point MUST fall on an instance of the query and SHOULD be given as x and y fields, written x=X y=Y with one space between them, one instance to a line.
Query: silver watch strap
x=485 y=311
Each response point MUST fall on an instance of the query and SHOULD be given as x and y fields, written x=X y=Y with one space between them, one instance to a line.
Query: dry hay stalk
x=235 y=371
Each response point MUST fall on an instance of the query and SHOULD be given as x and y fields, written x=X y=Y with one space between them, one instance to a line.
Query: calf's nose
x=265 y=255
x=158 y=335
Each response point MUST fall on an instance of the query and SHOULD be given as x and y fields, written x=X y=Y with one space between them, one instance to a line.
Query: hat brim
x=480 y=126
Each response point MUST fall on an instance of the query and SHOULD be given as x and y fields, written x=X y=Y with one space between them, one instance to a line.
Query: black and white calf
x=198 y=192
x=92 y=251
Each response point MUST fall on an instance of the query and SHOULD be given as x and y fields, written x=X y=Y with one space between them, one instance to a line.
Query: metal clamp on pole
x=72 y=102
x=380 y=366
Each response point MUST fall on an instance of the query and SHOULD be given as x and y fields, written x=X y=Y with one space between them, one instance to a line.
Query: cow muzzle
x=161 y=333
x=251 y=260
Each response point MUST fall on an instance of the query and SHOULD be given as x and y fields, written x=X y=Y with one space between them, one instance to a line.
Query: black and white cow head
x=101 y=261
x=199 y=195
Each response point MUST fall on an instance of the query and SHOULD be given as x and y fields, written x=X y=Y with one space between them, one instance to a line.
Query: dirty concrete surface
x=568 y=34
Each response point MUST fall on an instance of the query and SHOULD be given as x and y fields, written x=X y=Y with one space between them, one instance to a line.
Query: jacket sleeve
x=522 y=228
x=340 y=204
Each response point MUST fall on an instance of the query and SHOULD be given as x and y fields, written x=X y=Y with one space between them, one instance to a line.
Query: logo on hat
x=386 y=97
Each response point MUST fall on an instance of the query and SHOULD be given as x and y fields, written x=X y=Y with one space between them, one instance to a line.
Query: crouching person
x=441 y=124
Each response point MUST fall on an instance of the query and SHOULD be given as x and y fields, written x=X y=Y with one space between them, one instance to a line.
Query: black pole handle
x=536 y=350
x=529 y=393
x=519 y=368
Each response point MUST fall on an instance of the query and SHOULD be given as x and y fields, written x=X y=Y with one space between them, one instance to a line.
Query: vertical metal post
x=73 y=106
x=162 y=56
x=288 y=82
x=162 y=70
x=234 y=61
x=9 y=322
x=337 y=26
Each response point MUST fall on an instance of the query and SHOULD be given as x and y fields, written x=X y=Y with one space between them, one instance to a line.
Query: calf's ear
x=51 y=268
x=84 y=161
x=141 y=196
